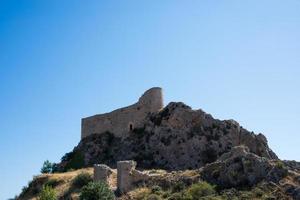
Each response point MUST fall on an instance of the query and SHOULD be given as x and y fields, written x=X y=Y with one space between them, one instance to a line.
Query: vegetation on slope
x=170 y=186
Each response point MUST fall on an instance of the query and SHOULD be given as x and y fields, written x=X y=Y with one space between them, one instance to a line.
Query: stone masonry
x=124 y=120
x=127 y=175
x=102 y=172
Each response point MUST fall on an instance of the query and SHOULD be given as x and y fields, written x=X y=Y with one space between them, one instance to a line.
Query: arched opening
x=130 y=127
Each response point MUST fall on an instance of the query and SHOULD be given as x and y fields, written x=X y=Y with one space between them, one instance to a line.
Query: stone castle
x=123 y=120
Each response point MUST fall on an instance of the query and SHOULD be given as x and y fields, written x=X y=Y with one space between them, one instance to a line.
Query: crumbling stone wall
x=127 y=175
x=121 y=121
x=105 y=174
x=102 y=173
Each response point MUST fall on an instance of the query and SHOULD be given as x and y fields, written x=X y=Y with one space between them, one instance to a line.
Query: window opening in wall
x=130 y=127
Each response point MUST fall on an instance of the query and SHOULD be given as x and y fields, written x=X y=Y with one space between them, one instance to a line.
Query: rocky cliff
x=176 y=138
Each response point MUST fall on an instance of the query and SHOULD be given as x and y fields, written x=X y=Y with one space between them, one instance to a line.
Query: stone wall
x=105 y=174
x=127 y=175
x=122 y=120
x=102 y=172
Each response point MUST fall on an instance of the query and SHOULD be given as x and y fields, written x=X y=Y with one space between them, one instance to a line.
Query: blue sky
x=64 y=60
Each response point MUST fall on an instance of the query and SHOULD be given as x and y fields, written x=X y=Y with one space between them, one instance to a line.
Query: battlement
x=123 y=120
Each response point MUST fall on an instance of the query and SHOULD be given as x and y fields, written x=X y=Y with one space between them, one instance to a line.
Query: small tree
x=47 y=193
x=96 y=191
x=47 y=167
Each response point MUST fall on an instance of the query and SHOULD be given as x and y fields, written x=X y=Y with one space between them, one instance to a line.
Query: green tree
x=47 y=167
x=96 y=191
x=47 y=193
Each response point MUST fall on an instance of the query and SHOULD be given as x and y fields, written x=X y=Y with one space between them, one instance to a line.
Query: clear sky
x=64 y=60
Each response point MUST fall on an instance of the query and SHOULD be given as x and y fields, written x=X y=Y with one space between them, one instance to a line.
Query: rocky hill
x=176 y=138
x=180 y=151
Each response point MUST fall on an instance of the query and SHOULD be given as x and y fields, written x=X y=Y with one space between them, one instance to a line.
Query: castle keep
x=123 y=120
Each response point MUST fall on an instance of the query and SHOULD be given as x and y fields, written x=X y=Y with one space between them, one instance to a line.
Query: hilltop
x=173 y=146
x=175 y=138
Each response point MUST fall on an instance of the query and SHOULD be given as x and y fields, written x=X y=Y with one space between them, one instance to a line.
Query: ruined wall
x=122 y=120
x=127 y=175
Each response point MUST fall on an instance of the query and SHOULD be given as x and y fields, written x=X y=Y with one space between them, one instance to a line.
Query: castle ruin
x=123 y=120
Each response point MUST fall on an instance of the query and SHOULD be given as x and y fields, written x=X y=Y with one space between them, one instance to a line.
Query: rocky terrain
x=180 y=151
x=176 y=138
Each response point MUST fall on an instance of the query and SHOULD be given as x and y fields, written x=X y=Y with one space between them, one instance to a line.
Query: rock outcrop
x=175 y=138
x=240 y=168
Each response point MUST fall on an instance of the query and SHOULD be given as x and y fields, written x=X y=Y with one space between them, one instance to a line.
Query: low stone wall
x=102 y=172
x=127 y=175
x=105 y=174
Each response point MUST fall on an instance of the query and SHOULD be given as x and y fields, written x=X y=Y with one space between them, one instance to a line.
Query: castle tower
x=152 y=99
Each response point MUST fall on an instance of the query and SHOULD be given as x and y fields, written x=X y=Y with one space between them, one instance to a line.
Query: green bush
x=75 y=160
x=55 y=168
x=47 y=193
x=280 y=164
x=199 y=190
x=96 y=191
x=177 y=187
x=53 y=183
x=156 y=189
x=47 y=167
x=177 y=196
x=82 y=179
x=154 y=197
x=166 y=194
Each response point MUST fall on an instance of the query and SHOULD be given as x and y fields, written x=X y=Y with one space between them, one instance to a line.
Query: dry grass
x=63 y=183
x=63 y=180
x=139 y=193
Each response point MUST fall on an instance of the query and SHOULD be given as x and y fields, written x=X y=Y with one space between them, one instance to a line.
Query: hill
x=179 y=151
x=175 y=138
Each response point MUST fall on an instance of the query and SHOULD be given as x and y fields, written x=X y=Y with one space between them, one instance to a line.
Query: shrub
x=52 y=183
x=55 y=168
x=199 y=190
x=140 y=193
x=166 y=194
x=47 y=167
x=177 y=196
x=96 y=191
x=156 y=189
x=154 y=197
x=75 y=160
x=233 y=174
x=258 y=192
x=82 y=179
x=47 y=193
x=280 y=164
x=177 y=187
